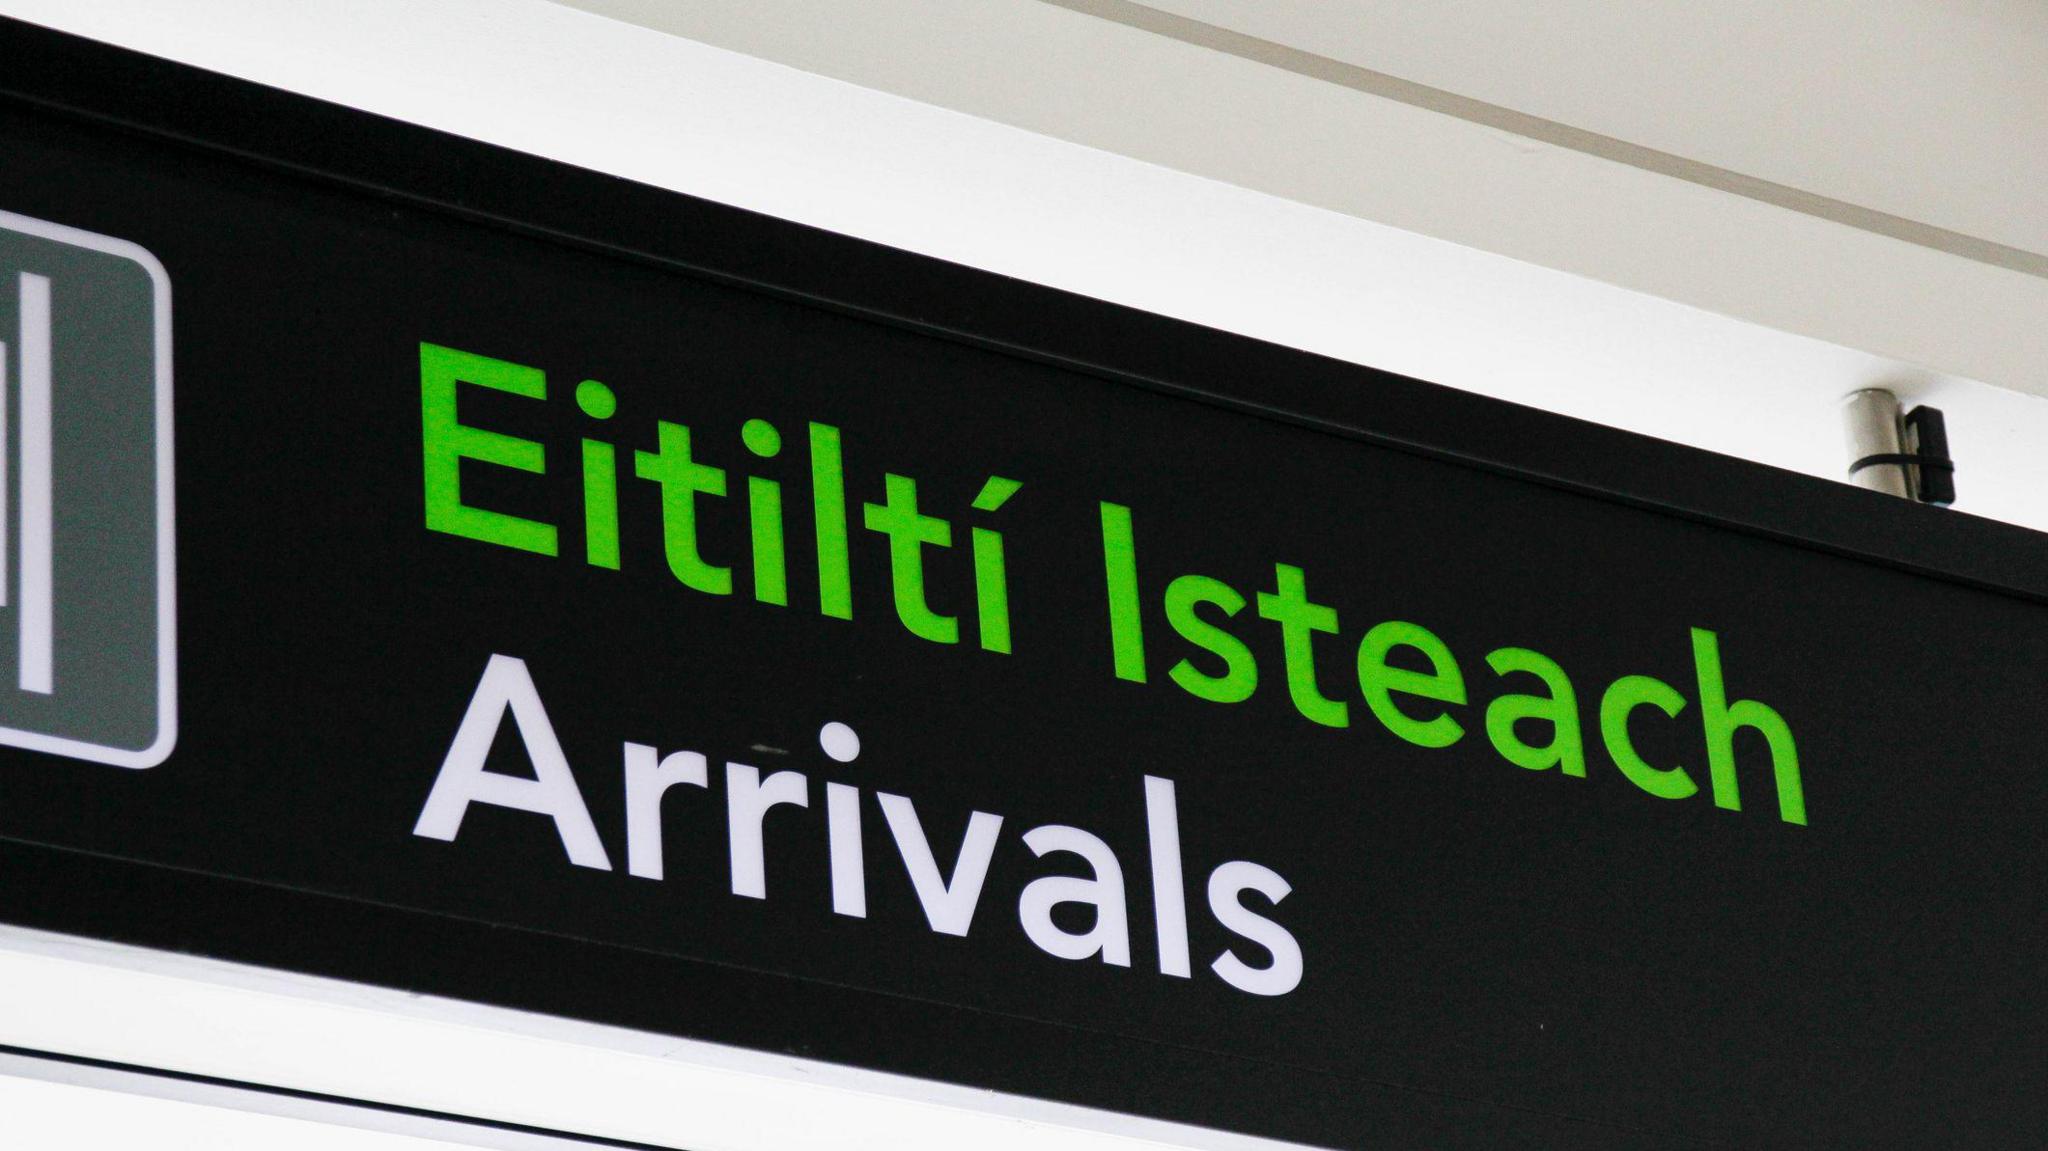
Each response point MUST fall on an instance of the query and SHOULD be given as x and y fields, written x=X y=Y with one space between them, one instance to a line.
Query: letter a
x=463 y=780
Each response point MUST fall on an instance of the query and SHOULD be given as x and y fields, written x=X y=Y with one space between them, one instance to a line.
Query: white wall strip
x=50 y=1103
x=196 y=1016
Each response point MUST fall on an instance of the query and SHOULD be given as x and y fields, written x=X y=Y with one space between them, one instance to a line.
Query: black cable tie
x=1930 y=463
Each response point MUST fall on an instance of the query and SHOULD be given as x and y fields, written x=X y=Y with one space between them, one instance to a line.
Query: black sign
x=601 y=602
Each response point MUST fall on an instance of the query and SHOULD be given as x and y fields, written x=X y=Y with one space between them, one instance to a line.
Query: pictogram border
x=159 y=748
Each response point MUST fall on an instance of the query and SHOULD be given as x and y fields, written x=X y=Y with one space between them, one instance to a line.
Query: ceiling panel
x=1933 y=111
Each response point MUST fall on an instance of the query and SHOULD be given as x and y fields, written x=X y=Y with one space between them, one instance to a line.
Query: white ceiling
x=1904 y=108
x=1514 y=268
x=1932 y=110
